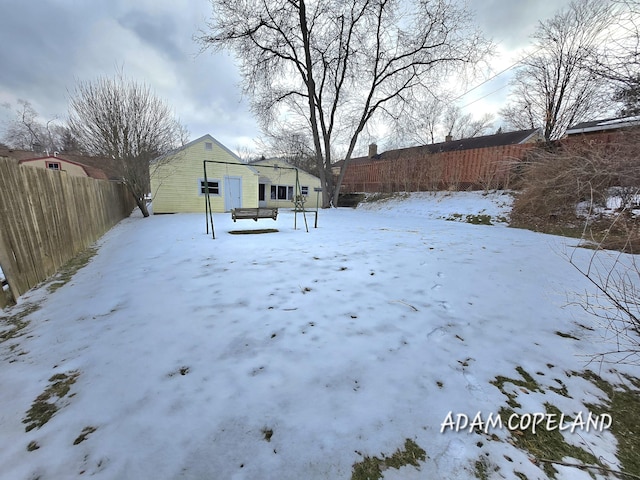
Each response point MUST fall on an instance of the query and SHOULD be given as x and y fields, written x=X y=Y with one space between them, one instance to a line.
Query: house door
x=232 y=193
x=262 y=199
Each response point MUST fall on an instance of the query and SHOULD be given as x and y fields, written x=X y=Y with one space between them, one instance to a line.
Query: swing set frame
x=298 y=203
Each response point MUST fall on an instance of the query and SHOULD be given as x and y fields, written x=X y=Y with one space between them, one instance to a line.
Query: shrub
x=568 y=186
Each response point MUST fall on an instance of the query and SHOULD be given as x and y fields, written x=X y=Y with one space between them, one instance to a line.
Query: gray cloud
x=47 y=46
x=511 y=23
x=158 y=31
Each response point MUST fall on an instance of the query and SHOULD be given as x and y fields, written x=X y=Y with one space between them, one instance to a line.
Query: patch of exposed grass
x=371 y=468
x=86 y=431
x=624 y=408
x=16 y=322
x=623 y=405
x=563 y=230
x=565 y=335
x=561 y=390
x=479 y=219
x=253 y=232
x=69 y=269
x=482 y=469
x=381 y=197
x=267 y=433
x=528 y=383
x=180 y=371
x=47 y=403
x=600 y=233
x=549 y=444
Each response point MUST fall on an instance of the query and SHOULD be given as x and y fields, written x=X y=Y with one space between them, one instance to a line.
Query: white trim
x=602 y=128
x=610 y=124
x=290 y=189
x=210 y=180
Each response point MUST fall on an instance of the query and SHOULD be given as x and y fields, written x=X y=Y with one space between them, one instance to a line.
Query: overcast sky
x=47 y=45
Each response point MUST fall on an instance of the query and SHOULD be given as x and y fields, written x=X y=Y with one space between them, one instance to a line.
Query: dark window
x=281 y=192
x=208 y=146
x=304 y=190
x=214 y=187
x=53 y=165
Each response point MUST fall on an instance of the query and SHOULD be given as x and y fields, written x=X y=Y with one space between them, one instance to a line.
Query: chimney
x=448 y=138
x=373 y=150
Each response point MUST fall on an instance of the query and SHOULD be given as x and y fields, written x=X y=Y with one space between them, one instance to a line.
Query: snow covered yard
x=295 y=355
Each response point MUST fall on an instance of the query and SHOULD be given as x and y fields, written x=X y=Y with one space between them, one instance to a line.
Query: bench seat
x=254 y=213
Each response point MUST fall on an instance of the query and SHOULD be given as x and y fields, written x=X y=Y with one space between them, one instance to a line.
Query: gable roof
x=266 y=162
x=90 y=171
x=89 y=164
x=194 y=142
x=495 y=140
x=603 y=125
x=104 y=164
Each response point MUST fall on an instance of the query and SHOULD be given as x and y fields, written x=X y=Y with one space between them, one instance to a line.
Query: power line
x=484 y=96
x=513 y=65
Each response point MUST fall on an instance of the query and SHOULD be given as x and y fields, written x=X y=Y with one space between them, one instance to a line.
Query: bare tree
x=294 y=147
x=123 y=120
x=27 y=131
x=555 y=87
x=421 y=123
x=459 y=125
x=615 y=303
x=619 y=63
x=68 y=142
x=246 y=154
x=334 y=67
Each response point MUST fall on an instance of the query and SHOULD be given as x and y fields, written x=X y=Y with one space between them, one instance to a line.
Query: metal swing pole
x=318 y=190
x=304 y=214
x=207 y=202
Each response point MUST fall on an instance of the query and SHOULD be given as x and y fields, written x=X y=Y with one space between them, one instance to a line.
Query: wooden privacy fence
x=47 y=217
x=477 y=168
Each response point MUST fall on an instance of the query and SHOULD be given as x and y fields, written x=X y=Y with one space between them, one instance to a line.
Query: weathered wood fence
x=47 y=217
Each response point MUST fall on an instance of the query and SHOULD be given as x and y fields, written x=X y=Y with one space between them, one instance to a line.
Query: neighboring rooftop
x=96 y=167
x=495 y=140
x=90 y=171
x=603 y=125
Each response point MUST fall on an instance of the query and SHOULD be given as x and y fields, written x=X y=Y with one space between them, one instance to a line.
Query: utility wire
x=510 y=67
x=484 y=96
